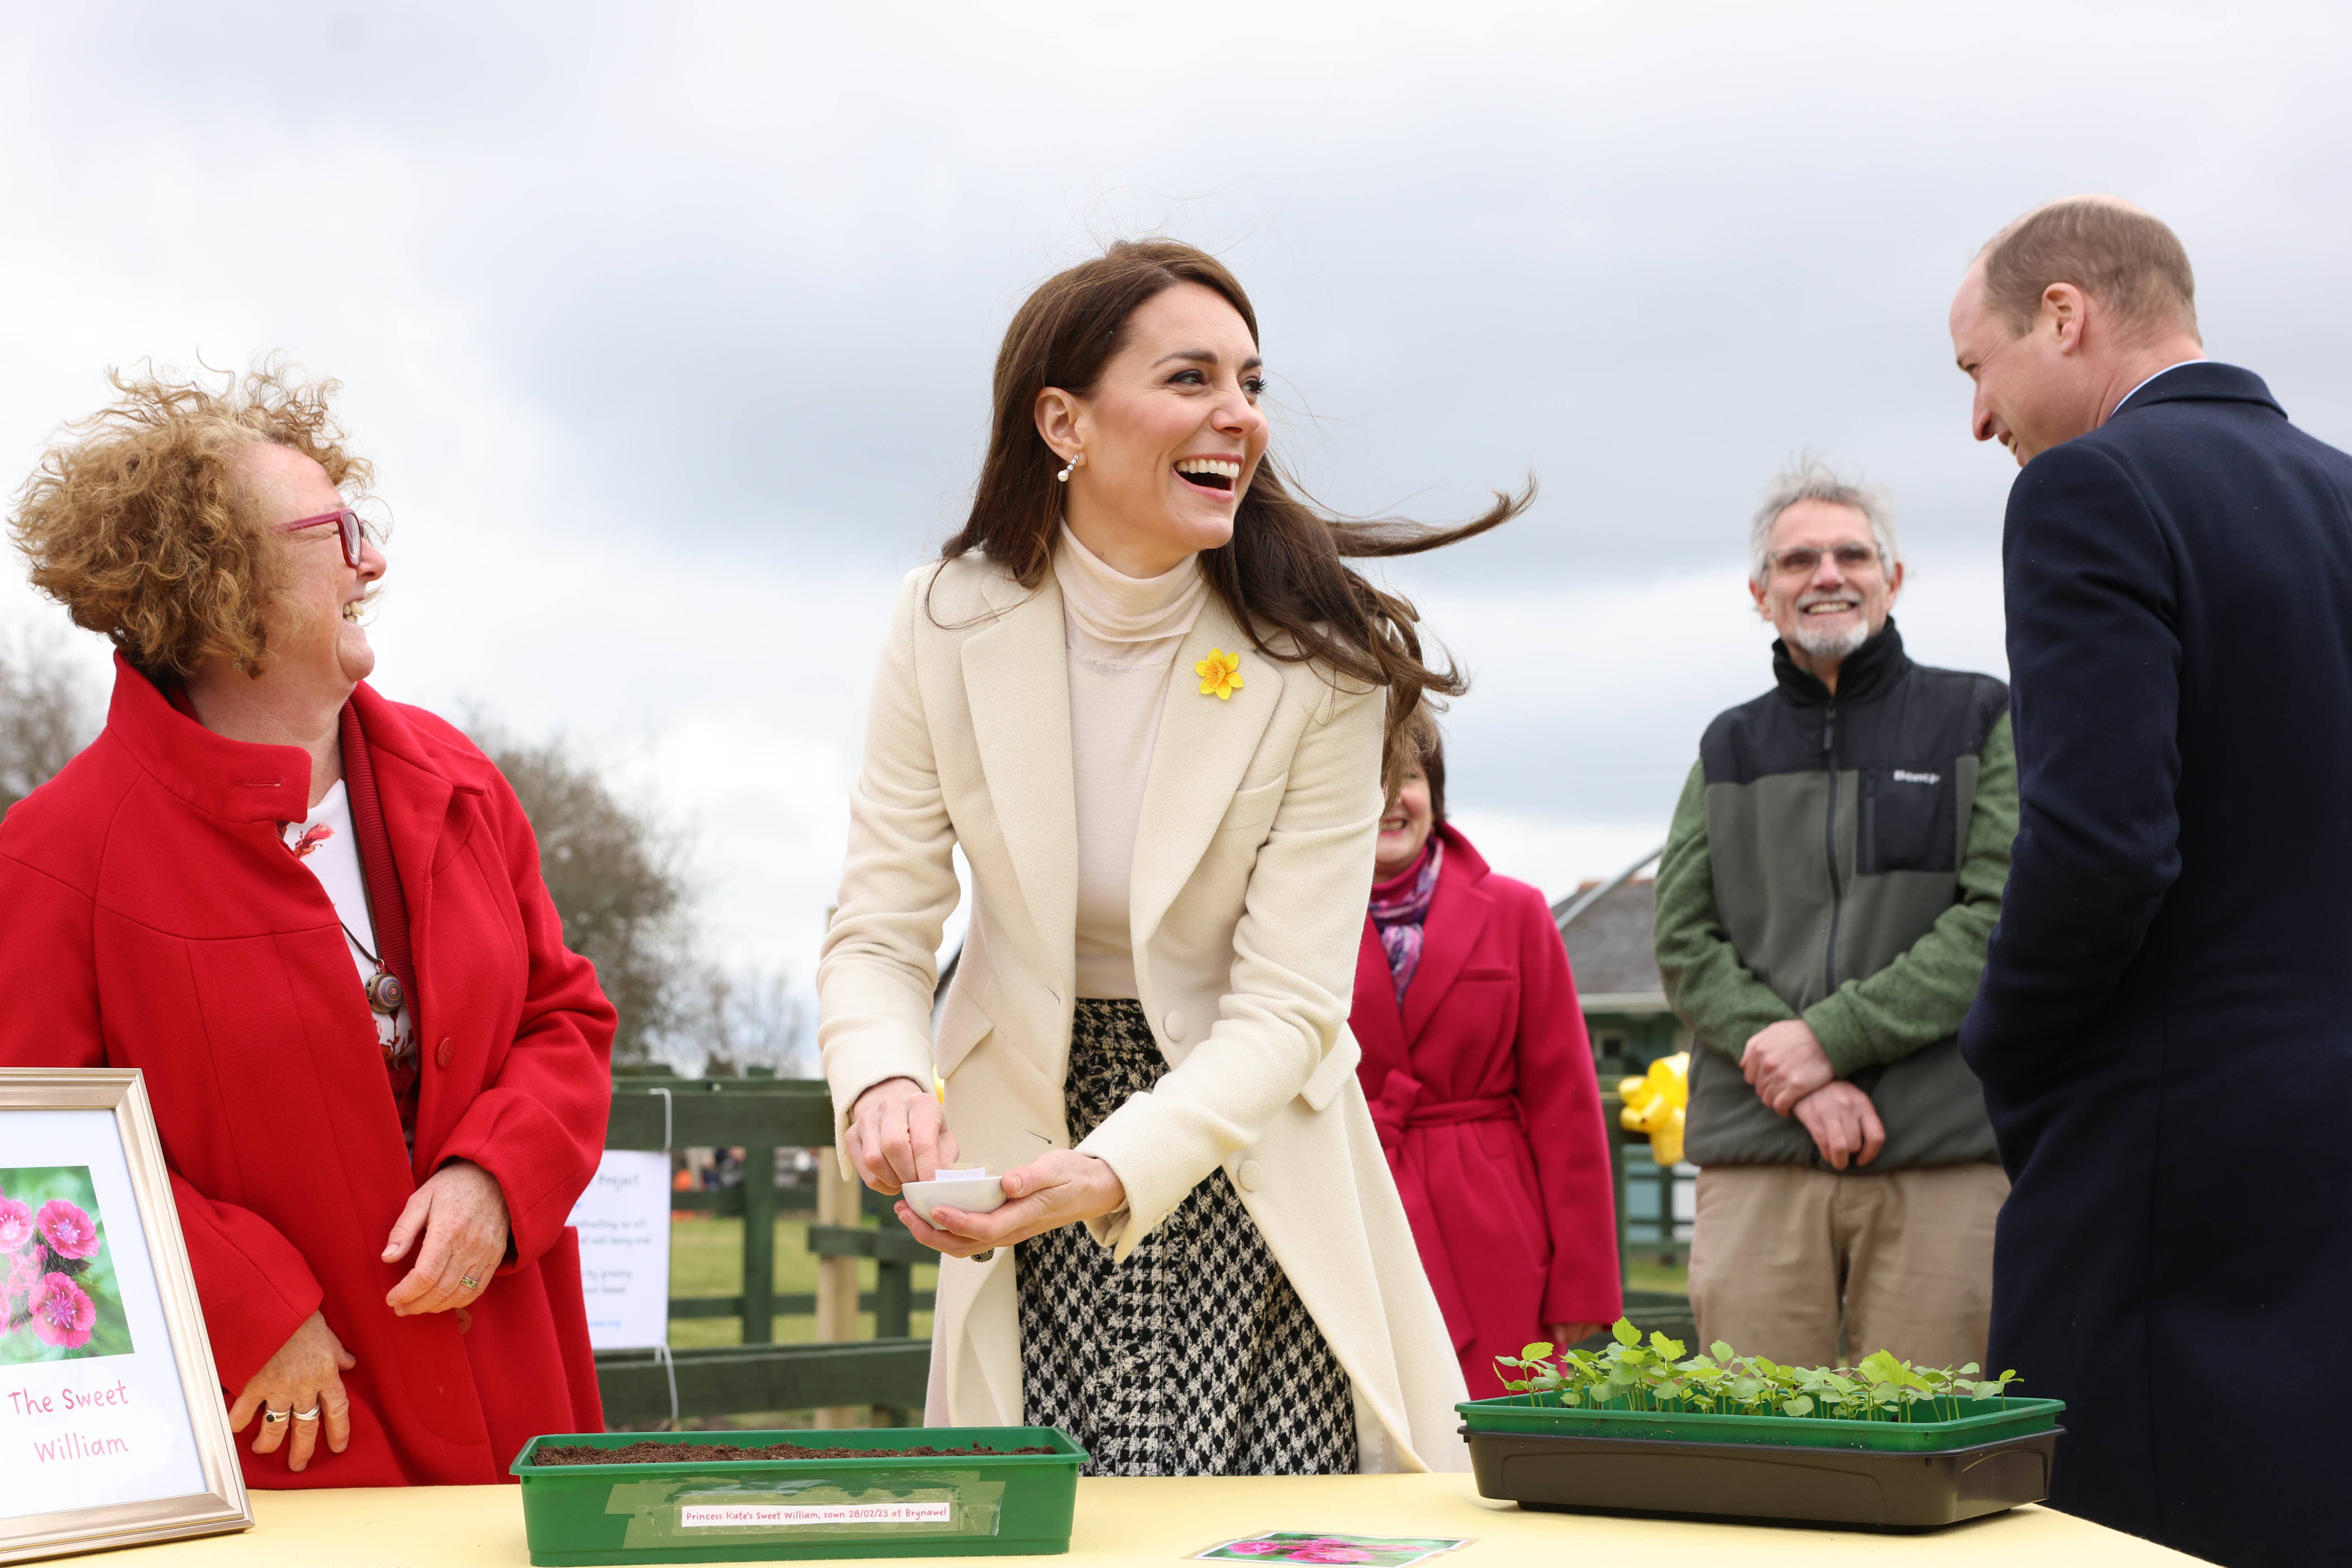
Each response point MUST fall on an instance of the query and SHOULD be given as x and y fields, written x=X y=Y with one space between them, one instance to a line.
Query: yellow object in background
x=1655 y=1104
x=939 y=1090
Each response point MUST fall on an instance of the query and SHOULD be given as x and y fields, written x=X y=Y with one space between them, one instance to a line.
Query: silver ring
x=309 y=1415
x=275 y=1417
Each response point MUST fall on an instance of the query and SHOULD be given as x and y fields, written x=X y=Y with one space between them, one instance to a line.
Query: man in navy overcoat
x=2165 y=1026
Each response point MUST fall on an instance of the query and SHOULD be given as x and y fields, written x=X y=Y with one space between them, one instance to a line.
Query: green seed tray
x=767 y=1510
x=1841 y=1486
x=1988 y=1421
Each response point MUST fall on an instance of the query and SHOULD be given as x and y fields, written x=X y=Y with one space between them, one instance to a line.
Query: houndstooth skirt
x=1195 y=1357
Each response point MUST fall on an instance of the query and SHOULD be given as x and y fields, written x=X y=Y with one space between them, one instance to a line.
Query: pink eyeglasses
x=355 y=532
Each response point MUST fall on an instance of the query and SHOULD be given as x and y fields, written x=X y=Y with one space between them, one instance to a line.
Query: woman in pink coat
x=1481 y=1083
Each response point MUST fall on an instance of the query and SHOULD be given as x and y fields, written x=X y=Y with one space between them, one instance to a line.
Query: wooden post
x=837 y=1200
x=894 y=1297
x=758 y=1244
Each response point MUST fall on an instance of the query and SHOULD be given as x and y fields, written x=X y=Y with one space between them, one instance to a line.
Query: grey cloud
x=754 y=272
x=744 y=269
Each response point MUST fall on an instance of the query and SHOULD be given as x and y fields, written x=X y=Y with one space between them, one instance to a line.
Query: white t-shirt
x=324 y=842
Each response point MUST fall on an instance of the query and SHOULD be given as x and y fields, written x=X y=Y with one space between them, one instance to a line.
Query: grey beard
x=1833 y=645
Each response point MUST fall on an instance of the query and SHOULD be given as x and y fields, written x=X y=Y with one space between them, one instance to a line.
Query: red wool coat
x=1483 y=1089
x=151 y=917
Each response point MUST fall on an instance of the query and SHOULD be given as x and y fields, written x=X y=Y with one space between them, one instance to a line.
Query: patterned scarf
x=1398 y=915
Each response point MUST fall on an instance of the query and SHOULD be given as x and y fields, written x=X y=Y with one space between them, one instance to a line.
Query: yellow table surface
x=1158 y=1522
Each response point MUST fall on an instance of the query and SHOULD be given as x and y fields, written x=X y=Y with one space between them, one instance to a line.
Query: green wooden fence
x=888 y=1371
x=762 y=1116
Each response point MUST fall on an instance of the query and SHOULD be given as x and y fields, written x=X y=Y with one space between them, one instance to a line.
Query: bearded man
x=2165 y=1030
x=1834 y=866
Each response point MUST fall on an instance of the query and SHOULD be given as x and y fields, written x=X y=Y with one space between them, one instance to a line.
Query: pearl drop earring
x=1064 y=475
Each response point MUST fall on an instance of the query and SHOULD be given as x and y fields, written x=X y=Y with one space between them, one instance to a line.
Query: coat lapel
x=1385 y=1069
x=414 y=798
x=1204 y=748
x=1017 y=684
x=1457 y=917
x=1377 y=1025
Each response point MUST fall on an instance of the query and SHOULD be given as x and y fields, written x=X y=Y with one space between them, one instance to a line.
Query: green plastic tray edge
x=1028 y=1546
x=2022 y=1419
x=1066 y=1450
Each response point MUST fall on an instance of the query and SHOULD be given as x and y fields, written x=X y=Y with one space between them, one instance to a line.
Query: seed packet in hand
x=1285 y=1546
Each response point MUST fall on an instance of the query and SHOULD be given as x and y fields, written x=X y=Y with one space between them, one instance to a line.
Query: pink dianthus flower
x=63 y=1313
x=24 y=1273
x=68 y=1231
x=16 y=1225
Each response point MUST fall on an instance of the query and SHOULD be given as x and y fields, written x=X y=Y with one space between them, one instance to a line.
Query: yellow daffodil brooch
x=1221 y=674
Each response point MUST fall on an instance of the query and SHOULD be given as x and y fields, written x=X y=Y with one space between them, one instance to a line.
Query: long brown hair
x=1284 y=571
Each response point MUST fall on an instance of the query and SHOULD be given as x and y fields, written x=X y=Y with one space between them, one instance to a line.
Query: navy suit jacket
x=2165 y=1026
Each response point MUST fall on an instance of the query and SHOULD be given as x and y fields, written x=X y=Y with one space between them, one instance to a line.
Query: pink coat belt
x=1401 y=1107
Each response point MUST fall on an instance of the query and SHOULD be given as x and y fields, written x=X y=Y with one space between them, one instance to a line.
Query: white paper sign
x=708 y=1515
x=91 y=1410
x=623 y=1220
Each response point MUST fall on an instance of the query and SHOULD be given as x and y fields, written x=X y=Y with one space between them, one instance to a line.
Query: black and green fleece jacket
x=1841 y=859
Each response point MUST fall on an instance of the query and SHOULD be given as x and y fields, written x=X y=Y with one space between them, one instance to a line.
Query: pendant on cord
x=385 y=993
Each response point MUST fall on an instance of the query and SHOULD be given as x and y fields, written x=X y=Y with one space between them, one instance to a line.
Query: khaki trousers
x=1783 y=1258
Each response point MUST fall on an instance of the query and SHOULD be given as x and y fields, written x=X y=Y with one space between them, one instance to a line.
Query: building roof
x=1609 y=949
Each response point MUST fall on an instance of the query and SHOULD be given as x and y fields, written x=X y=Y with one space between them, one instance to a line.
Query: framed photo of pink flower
x=117 y=1424
x=1288 y=1546
x=59 y=1297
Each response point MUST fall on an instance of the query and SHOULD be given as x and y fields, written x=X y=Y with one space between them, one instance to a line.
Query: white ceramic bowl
x=973 y=1194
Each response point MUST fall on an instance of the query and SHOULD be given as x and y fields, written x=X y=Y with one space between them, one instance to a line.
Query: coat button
x=1249 y=1175
x=443 y=1052
x=1175 y=1023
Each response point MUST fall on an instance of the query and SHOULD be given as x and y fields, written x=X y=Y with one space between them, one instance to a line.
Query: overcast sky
x=669 y=328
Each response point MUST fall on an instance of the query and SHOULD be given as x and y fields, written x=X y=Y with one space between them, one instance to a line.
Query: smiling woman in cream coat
x=1202 y=1265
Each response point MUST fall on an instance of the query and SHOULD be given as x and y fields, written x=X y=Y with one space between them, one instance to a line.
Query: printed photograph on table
x=1308 y=1546
x=59 y=1297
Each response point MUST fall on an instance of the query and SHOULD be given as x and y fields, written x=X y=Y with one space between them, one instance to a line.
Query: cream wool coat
x=1253 y=864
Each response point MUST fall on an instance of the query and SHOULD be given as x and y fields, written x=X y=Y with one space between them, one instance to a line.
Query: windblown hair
x=141 y=526
x=1282 y=574
x=2123 y=257
x=1811 y=477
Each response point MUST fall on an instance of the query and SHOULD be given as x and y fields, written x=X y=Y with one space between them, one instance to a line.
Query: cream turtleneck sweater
x=1121 y=635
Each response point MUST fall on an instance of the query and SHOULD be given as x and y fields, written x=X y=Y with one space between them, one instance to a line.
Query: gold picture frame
x=221 y=1505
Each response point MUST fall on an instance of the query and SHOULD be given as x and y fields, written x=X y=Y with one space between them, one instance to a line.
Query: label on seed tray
x=933 y=1505
x=738 y=1516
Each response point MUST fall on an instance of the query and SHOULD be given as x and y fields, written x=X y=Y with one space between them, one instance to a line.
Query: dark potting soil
x=652 y=1453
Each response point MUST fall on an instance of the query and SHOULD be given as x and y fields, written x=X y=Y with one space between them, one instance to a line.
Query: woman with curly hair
x=1147 y=697
x=315 y=919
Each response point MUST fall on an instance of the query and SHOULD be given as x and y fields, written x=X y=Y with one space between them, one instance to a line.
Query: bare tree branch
x=48 y=713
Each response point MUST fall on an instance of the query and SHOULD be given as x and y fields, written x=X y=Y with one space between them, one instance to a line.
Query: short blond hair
x=141 y=526
x=2123 y=257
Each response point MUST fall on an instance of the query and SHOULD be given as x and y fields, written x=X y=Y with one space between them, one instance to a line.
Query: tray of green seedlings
x=743 y=1497
x=1640 y=1428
